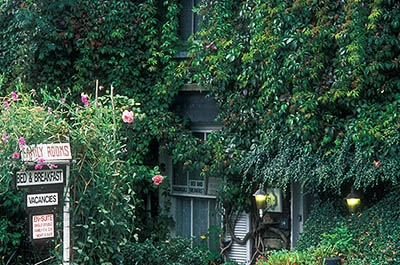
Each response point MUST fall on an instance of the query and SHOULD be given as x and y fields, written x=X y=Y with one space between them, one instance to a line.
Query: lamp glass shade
x=353 y=201
x=260 y=197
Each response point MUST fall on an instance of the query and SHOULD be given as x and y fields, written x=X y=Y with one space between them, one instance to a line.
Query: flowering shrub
x=104 y=173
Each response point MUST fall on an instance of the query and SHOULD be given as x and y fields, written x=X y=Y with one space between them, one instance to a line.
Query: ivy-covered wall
x=52 y=53
x=308 y=90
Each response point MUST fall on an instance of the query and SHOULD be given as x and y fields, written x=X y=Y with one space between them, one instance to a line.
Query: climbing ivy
x=87 y=62
x=308 y=90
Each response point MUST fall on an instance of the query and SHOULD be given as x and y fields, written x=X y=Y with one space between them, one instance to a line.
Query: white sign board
x=44 y=199
x=39 y=177
x=42 y=226
x=49 y=152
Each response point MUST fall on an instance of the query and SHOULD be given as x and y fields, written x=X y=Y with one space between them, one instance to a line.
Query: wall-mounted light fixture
x=353 y=201
x=260 y=197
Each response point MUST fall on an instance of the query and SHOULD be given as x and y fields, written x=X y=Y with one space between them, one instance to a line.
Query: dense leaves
x=109 y=180
x=173 y=251
x=56 y=50
x=373 y=239
x=308 y=90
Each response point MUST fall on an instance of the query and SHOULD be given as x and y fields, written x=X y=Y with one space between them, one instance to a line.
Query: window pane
x=197 y=18
x=186 y=19
x=200 y=218
x=183 y=217
x=197 y=183
x=196 y=175
x=215 y=226
x=180 y=176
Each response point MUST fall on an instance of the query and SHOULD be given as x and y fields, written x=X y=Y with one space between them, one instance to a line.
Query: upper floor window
x=188 y=20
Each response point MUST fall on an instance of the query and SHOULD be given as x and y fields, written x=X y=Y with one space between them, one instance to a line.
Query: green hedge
x=173 y=251
x=326 y=215
x=374 y=230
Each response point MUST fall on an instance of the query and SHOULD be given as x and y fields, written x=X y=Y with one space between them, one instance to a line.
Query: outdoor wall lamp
x=353 y=201
x=260 y=197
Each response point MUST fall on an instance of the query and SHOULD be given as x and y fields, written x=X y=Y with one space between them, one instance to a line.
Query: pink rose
x=16 y=155
x=38 y=166
x=158 y=179
x=127 y=116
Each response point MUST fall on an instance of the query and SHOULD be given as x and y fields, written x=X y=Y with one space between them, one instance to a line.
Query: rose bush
x=104 y=171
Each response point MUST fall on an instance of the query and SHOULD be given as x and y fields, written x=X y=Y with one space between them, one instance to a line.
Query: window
x=197 y=217
x=194 y=202
x=193 y=182
x=188 y=20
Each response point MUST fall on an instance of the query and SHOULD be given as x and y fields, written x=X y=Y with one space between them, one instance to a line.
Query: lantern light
x=353 y=201
x=260 y=197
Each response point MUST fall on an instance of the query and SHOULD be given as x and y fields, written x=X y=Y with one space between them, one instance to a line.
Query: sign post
x=66 y=221
x=44 y=188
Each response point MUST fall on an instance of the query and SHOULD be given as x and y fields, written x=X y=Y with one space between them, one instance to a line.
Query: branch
x=114 y=118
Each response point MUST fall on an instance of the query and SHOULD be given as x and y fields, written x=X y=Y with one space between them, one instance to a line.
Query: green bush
x=285 y=257
x=173 y=251
x=105 y=180
x=376 y=233
x=369 y=237
x=325 y=216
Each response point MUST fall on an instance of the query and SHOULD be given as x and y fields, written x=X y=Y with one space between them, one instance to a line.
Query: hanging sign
x=48 y=152
x=39 y=177
x=42 y=199
x=43 y=226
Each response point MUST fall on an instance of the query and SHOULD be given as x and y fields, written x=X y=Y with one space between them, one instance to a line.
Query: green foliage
x=13 y=232
x=323 y=218
x=286 y=257
x=308 y=91
x=365 y=238
x=173 y=251
x=54 y=50
x=128 y=44
x=107 y=182
x=341 y=240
